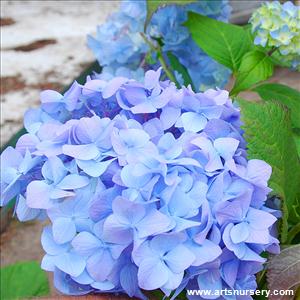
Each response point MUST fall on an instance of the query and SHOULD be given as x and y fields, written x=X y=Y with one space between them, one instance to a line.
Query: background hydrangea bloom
x=125 y=54
x=277 y=25
x=160 y=184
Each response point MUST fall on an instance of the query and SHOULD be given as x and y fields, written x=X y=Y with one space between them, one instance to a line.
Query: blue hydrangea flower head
x=139 y=179
x=125 y=54
x=277 y=26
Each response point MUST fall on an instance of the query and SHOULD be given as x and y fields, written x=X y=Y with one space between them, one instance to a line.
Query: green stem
x=292 y=233
x=260 y=278
x=284 y=224
x=272 y=51
x=161 y=59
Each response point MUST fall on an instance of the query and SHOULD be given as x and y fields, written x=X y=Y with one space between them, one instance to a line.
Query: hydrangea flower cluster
x=277 y=25
x=147 y=187
x=125 y=54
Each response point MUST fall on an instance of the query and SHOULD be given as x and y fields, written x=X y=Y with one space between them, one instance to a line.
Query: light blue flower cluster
x=277 y=25
x=125 y=53
x=147 y=187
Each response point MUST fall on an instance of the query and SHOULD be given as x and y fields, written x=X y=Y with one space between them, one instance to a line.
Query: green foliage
x=284 y=94
x=268 y=132
x=154 y=5
x=177 y=66
x=256 y=66
x=150 y=58
x=284 y=269
x=23 y=280
x=226 y=43
x=297 y=142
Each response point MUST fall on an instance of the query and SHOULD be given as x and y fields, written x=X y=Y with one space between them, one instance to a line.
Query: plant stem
x=161 y=59
x=260 y=278
x=272 y=51
x=292 y=233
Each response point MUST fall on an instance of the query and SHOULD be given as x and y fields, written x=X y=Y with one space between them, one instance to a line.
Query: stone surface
x=43 y=45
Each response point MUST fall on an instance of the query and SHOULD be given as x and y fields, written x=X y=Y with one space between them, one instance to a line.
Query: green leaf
x=154 y=5
x=283 y=270
x=268 y=132
x=177 y=66
x=284 y=94
x=23 y=280
x=297 y=142
x=256 y=66
x=226 y=43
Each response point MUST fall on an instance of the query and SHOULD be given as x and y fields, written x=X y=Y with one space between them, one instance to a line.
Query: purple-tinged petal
x=128 y=279
x=258 y=172
x=94 y=168
x=38 y=195
x=153 y=223
x=86 y=244
x=25 y=213
x=179 y=259
x=148 y=274
x=115 y=232
x=240 y=232
x=63 y=230
x=169 y=116
x=49 y=245
x=259 y=219
x=113 y=86
x=152 y=78
x=100 y=265
x=83 y=278
x=191 y=121
x=47 y=263
x=82 y=152
x=204 y=253
x=58 y=194
x=70 y=263
x=73 y=181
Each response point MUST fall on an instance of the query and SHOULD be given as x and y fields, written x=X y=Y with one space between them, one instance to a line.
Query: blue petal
x=63 y=230
x=86 y=244
x=128 y=280
x=148 y=273
x=73 y=181
x=153 y=223
x=204 y=253
x=38 y=195
x=191 y=121
x=179 y=259
x=70 y=263
x=25 y=213
x=100 y=265
x=240 y=232
x=49 y=245
x=93 y=168
x=82 y=152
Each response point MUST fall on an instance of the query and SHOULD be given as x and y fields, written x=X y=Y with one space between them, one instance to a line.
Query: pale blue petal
x=49 y=245
x=73 y=181
x=63 y=230
x=70 y=263
x=82 y=152
x=240 y=232
x=179 y=259
x=94 y=168
x=38 y=195
x=86 y=244
x=149 y=269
